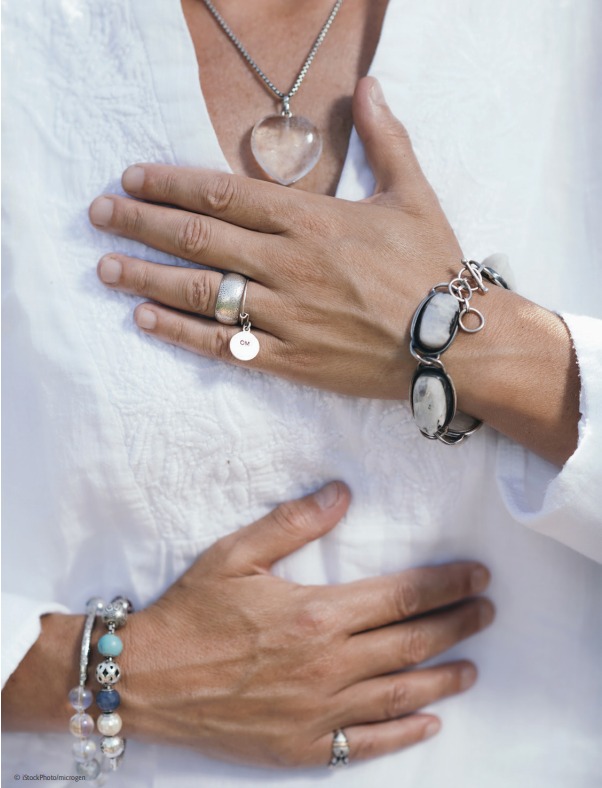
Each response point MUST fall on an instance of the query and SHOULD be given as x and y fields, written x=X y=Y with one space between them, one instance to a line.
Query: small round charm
x=244 y=346
x=108 y=672
x=112 y=746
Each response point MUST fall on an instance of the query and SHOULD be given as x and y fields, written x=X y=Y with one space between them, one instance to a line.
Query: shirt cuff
x=21 y=628
x=565 y=504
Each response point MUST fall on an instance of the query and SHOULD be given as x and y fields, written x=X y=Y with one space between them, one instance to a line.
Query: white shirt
x=125 y=457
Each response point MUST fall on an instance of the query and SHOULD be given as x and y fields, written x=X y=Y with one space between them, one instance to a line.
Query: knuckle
x=197 y=293
x=417 y=645
x=314 y=619
x=177 y=332
x=398 y=700
x=292 y=519
x=131 y=219
x=193 y=236
x=287 y=756
x=222 y=194
x=221 y=550
x=219 y=344
x=366 y=747
x=407 y=598
x=140 y=279
x=163 y=183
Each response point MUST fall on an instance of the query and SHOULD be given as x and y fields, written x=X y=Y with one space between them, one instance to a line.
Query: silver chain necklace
x=285 y=146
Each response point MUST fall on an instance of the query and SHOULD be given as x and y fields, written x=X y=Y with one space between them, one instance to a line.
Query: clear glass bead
x=112 y=746
x=81 y=725
x=88 y=769
x=80 y=698
x=109 y=724
x=83 y=750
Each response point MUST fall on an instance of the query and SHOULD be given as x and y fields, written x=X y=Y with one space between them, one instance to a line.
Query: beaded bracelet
x=434 y=328
x=81 y=724
x=108 y=674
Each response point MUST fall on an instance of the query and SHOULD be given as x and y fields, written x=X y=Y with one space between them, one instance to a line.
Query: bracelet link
x=434 y=327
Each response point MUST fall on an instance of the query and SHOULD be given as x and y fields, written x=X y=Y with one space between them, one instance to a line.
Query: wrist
x=519 y=374
x=35 y=697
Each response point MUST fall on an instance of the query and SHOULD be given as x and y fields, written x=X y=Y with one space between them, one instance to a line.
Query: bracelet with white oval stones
x=434 y=327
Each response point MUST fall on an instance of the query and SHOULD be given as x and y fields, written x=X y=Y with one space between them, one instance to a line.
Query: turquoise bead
x=110 y=646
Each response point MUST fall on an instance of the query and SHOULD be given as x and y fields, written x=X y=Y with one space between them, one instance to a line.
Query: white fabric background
x=124 y=458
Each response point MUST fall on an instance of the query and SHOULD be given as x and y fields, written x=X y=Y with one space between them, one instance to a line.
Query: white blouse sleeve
x=567 y=504
x=21 y=628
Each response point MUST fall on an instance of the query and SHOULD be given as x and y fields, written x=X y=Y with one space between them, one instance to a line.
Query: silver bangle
x=434 y=327
x=81 y=724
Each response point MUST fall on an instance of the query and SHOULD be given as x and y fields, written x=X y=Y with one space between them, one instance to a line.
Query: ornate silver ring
x=230 y=299
x=340 y=749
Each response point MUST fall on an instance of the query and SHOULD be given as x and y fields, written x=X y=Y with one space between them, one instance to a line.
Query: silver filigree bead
x=125 y=602
x=115 y=615
x=108 y=672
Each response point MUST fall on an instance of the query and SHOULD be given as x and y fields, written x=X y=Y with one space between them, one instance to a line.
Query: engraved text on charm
x=244 y=346
x=286 y=147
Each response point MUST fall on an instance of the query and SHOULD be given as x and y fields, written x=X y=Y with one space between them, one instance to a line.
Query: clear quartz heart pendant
x=286 y=147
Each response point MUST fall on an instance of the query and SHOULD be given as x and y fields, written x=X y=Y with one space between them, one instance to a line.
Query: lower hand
x=244 y=666
x=334 y=284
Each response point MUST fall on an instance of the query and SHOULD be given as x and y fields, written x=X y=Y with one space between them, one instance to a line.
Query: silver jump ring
x=471 y=311
x=230 y=298
x=340 y=749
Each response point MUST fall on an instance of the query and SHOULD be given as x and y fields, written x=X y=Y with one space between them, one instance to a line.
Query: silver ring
x=230 y=298
x=340 y=749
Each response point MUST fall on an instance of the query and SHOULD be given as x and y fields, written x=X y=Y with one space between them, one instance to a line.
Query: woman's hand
x=334 y=285
x=247 y=667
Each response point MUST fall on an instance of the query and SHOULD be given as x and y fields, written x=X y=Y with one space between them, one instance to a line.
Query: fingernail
x=468 y=676
x=431 y=729
x=146 y=318
x=479 y=580
x=101 y=211
x=376 y=94
x=110 y=270
x=133 y=178
x=327 y=496
x=486 y=614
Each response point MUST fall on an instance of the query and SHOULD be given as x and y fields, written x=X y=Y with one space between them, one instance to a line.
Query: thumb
x=287 y=528
x=386 y=142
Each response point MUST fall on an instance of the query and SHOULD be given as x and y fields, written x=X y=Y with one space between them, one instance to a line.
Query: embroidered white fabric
x=124 y=457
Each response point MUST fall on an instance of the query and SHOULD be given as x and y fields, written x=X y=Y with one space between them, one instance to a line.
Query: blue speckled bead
x=110 y=645
x=108 y=700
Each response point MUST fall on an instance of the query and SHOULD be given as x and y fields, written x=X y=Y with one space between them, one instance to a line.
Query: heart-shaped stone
x=286 y=148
